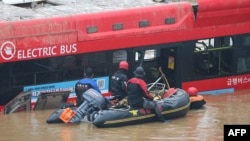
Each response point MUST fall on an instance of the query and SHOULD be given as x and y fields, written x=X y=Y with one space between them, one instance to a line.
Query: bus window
x=120 y=55
x=73 y=66
x=243 y=61
x=149 y=55
x=211 y=57
x=149 y=61
x=98 y=61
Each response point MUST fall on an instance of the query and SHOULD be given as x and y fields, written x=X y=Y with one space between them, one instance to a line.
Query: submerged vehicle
x=175 y=104
x=45 y=46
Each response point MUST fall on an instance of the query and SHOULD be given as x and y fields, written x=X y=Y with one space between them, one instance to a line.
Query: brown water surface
x=198 y=125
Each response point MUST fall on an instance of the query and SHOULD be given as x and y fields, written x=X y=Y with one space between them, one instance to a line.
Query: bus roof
x=13 y=10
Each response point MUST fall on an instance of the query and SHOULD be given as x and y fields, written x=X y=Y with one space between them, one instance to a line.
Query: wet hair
x=88 y=72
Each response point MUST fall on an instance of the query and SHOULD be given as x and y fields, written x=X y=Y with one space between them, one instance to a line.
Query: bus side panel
x=237 y=82
x=217 y=5
x=155 y=19
x=40 y=38
x=132 y=35
x=222 y=13
x=36 y=27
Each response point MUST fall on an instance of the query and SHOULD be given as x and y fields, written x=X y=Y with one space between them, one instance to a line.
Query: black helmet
x=139 y=72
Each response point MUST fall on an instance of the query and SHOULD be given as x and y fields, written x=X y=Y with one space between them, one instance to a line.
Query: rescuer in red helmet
x=197 y=101
x=119 y=81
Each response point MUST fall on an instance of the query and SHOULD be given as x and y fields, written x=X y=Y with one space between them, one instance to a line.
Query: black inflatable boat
x=174 y=106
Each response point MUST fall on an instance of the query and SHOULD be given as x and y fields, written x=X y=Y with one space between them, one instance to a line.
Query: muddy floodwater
x=198 y=125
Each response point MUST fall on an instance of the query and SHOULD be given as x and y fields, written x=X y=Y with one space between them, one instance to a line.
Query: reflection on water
x=205 y=124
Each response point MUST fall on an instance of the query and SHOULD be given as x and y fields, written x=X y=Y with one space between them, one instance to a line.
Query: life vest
x=196 y=98
x=197 y=102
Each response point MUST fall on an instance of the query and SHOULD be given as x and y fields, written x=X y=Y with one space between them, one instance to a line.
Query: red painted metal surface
x=59 y=36
x=50 y=37
x=237 y=82
x=221 y=5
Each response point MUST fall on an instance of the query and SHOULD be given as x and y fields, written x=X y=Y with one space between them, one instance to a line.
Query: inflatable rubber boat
x=176 y=104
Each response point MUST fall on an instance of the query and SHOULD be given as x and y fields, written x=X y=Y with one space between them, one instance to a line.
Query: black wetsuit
x=137 y=90
x=139 y=97
x=119 y=84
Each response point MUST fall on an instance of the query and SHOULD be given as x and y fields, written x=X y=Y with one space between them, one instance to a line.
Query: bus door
x=176 y=63
x=167 y=61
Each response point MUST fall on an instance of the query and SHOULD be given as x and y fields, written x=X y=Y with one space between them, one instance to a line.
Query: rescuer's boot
x=158 y=113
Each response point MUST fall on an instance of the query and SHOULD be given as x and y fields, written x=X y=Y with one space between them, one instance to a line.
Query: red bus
x=204 y=44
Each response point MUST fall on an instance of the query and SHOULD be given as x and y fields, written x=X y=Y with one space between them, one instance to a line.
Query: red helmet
x=192 y=91
x=123 y=65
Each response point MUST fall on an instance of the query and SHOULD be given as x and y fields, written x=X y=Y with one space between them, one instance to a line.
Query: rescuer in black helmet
x=139 y=96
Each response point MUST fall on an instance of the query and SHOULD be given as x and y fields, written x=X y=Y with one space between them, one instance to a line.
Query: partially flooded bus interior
x=213 y=57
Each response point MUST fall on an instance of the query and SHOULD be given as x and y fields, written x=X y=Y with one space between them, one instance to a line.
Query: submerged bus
x=205 y=44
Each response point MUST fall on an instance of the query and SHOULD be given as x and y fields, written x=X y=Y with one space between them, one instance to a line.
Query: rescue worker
x=139 y=96
x=119 y=82
x=84 y=84
x=197 y=101
x=83 y=109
